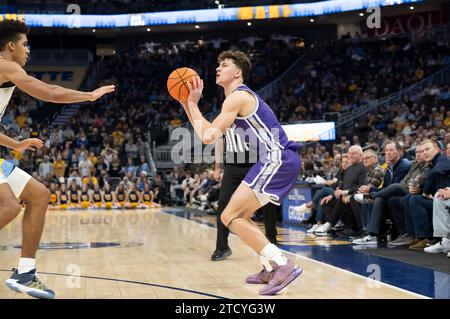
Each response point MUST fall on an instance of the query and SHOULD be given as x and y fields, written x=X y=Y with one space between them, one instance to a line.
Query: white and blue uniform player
x=15 y=183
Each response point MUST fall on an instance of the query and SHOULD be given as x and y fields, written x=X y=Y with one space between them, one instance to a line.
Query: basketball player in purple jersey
x=270 y=178
x=15 y=184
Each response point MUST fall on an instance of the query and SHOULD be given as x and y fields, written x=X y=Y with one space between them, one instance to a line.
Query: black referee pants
x=232 y=178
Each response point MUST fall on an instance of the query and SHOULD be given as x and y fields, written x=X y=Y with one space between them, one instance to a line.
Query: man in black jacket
x=335 y=205
x=422 y=204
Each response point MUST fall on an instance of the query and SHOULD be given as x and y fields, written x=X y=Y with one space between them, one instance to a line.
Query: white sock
x=266 y=263
x=26 y=264
x=271 y=252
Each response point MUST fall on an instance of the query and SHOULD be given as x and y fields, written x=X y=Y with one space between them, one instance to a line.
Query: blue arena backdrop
x=299 y=195
x=199 y=16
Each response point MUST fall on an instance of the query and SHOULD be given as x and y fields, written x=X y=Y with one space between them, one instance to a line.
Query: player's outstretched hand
x=195 y=89
x=29 y=144
x=102 y=91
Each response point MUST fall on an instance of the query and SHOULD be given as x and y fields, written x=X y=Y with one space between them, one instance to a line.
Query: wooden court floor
x=158 y=255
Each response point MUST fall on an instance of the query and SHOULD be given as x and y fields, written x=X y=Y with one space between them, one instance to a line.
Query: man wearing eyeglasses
x=396 y=170
x=374 y=180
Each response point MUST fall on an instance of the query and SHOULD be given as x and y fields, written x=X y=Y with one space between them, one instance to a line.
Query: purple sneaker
x=263 y=277
x=283 y=276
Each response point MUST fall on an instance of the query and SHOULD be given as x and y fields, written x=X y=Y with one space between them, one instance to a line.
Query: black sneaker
x=221 y=254
x=346 y=233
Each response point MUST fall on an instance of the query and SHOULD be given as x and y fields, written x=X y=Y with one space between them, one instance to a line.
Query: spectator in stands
x=128 y=180
x=103 y=178
x=373 y=181
x=175 y=179
x=143 y=167
x=316 y=206
x=69 y=134
x=141 y=147
x=187 y=186
x=45 y=169
x=398 y=194
x=160 y=189
x=131 y=149
x=22 y=120
x=421 y=205
x=441 y=222
x=131 y=168
x=74 y=176
x=107 y=154
x=85 y=167
x=81 y=140
x=118 y=137
x=334 y=204
x=27 y=162
x=192 y=190
x=143 y=180
x=100 y=166
x=93 y=158
x=94 y=140
x=115 y=168
x=59 y=166
x=396 y=170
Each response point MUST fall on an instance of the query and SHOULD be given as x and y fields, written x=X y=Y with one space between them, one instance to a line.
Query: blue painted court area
x=341 y=254
x=424 y=281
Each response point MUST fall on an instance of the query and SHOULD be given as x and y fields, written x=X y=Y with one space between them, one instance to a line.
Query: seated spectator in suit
x=374 y=180
x=396 y=170
x=398 y=195
x=335 y=206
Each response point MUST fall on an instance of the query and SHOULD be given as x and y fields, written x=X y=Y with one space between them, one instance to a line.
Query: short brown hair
x=397 y=145
x=433 y=142
x=240 y=59
x=10 y=30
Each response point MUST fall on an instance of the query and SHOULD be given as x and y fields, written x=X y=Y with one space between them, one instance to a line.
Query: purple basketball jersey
x=278 y=167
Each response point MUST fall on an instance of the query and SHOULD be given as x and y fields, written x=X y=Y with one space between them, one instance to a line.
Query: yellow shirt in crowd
x=59 y=167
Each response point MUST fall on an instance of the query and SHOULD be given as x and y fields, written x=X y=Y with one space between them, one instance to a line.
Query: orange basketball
x=176 y=83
